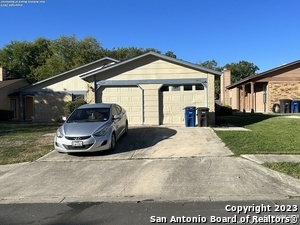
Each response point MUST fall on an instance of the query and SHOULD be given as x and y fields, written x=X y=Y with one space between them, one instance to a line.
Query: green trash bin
x=202 y=115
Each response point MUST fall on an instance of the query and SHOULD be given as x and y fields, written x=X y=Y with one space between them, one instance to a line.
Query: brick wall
x=50 y=107
x=282 y=90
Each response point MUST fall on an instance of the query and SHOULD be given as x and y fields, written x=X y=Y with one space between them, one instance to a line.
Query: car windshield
x=89 y=115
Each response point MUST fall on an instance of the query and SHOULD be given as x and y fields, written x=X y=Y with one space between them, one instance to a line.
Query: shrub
x=71 y=106
x=6 y=115
x=221 y=110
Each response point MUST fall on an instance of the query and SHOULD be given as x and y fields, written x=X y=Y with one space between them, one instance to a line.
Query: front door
x=28 y=107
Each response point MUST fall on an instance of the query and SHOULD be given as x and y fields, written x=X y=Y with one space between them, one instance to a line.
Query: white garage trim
x=206 y=91
x=156 y=81
x=142 y=105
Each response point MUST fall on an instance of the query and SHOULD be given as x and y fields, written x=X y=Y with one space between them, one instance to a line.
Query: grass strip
x=290 y=168
x=25 y=143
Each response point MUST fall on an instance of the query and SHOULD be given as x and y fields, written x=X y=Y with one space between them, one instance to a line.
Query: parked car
x=92 y=127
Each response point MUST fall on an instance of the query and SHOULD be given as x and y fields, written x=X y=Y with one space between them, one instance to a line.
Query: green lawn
x=268 y=135
x=23 y=143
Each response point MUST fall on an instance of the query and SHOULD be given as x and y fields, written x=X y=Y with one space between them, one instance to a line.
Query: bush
x=6 y=115
x=221 y=110
x=71 y=106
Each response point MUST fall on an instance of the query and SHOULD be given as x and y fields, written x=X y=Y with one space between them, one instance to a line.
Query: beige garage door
x=176 y=98
x=127 y=97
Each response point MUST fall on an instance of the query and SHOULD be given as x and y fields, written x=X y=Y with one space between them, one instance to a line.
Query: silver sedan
x=91 y=128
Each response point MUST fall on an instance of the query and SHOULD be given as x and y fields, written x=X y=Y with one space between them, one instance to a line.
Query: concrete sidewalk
x=272 y=158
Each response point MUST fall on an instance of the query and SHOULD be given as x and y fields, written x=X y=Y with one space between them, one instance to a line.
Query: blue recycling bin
x=190 y=116
x=295 y=106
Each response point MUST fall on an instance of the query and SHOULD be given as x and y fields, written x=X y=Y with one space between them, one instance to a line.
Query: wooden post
x=238 y=97
x=252 y=97
x=243 y=98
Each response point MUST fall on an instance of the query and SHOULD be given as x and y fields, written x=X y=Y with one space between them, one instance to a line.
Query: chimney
x=225 y=81
x=2 y=73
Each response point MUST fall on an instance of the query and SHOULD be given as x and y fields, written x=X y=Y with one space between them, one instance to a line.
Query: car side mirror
x=116 y=117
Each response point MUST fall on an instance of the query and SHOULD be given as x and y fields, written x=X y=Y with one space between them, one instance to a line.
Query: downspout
x=265 y=97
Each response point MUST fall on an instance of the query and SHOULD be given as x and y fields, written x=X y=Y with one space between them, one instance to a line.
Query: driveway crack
x=209 y=165
x=133 y=153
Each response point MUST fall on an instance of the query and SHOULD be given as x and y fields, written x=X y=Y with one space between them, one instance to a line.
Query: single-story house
x=262 y=92
x=44 y=101
x=153 y=88
x=8 y=86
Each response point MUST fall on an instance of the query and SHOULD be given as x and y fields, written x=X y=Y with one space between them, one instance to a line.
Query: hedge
x=6 y=115
x=71 y=106
x=223 y=110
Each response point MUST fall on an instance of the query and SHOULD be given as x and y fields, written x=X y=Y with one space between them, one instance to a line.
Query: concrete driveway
x=156 y=142
x=151 y=163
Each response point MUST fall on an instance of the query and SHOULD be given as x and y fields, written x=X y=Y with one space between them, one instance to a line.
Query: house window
x=188 y=87
x=164 y=88
x=199 y=87
x=76 y=97
x=175 y=88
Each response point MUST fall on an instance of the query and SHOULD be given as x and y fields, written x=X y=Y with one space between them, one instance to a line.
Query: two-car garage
x=170 y=102
x=153 y=88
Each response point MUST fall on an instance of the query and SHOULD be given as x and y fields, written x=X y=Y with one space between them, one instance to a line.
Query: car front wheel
x=113 y=142
x=126 y=129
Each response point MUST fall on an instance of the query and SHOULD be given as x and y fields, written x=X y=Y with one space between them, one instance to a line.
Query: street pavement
x=149 y=212
x=150 y=164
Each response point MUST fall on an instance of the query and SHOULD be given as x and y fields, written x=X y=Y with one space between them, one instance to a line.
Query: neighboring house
x=7 y=87
x=45 y=100
x=153 y=88
x=262 y=92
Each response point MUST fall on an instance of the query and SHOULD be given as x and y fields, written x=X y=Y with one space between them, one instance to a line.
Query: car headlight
x=59 y=133
x=102 y=132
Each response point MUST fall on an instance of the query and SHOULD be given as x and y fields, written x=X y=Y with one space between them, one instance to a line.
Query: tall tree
x=241 y=70
x=16 y=57
x=61 y=59
x=41 y=52
x=88 y=50
x=44 y=58
x=170 y=54
x=127 y=53
x=212 y=64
